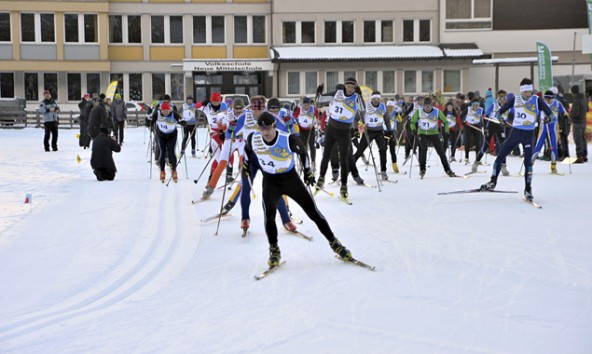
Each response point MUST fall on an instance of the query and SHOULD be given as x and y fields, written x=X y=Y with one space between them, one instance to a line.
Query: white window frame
x=460 y=79
x=125 y=29
x=167 y=30
x=298 y=30
x=249 y=29
x=380 y=81
x=81 y=28
x=472 y=19
x=209 y=29
x=378 y=31
x=9 y=27
x=416 y=30
x=301 y=82
x=338 y=31
x=37 y=19
x=417 y=82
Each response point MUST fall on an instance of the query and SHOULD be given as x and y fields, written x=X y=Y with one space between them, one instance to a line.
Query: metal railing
x=17 y=119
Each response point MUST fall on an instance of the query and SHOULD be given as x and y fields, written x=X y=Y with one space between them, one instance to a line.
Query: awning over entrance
x=373 y=53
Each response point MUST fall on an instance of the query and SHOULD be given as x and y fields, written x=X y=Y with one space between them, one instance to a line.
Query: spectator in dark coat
x=85 y=105
x=579 y=108
x=119 y=114
x=49 y=110
x=101 y=159
x=98 y=118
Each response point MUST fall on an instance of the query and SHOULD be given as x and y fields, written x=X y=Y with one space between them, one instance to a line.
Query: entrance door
x=205 y=83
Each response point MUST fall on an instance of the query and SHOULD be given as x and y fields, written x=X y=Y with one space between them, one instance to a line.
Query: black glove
x=547 y=119
x=320 y=89
x=183 y=123
x=246 y=169
x=309 y=177
x=358 y=90
x=205 y=102
x=340 y=87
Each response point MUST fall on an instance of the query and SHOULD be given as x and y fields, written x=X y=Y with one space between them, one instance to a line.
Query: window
x=308 y=32
x=31 y=86
x=5 y=27
x=387 y=31
x=417 y=31
x=298 y=32
x=289 y=32
x=177 y=87
x=74 y=87
x=81 y=28
x=388 y=82
x=293 y=83
x=369 y=31
x=468 y=14
x=208 y=29
x=115 y=29
x=119 y=78
x=371 y=79
x=410 y=84
x=158 y=86
x=50 y=82
x=347 y=31
x=167 y=29
x=310 y=82
x=135 y=87
x=332 y=80
x=93 y=83
x=339 y=32
x=37 y=28
x=452 y=81
x=427 y=81
x=348 y=74
x=134 y=29
x=125 y=29
x=330 y=32
x=249 y=29
x=7 y=85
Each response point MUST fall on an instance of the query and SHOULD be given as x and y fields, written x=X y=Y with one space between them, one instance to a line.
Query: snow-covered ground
x=127 y=266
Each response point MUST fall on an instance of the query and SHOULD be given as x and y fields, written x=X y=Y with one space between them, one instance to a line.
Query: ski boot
x=505 y=171
x=290 y=226
x=395 y=167
x=554 y=167
x=340 y=250
x=489 y=186
x=383 y=175
x=452 y=159
x=466 y=161
x=334 y=174
x=450 y=173
x=162 y=176
x=228 y=207
x=365 y=160
x=193 y=154
x=475 y=166
x=274 y=255
x=358 y=180
x=422 y=173
x=343 y=191
x=320 y=182
x=528 y=193
x=208 y=192
x=174 y=175
x=245 y=226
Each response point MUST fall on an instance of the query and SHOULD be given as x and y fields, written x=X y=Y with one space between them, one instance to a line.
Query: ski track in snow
x=127 y=266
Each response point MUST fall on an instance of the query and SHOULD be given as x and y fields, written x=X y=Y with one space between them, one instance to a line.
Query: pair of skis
x=479 y=190
x=352 y=260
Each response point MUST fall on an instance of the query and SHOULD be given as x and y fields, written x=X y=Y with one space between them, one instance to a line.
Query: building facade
x=277 y=48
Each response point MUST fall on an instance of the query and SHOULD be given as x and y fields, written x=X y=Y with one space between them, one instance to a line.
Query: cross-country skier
x=549 y=130
x=165 y=120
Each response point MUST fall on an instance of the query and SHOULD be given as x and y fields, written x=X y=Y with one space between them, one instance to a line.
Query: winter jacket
x=119 y=110
x=45 y=109
x=102 y=152
x=579 y=108
x=99 y=118
x=84 y=106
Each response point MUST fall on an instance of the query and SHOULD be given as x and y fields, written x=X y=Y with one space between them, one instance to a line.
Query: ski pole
x=151 y=154
x=204 y=169
x=225 y=184
x=412 y=153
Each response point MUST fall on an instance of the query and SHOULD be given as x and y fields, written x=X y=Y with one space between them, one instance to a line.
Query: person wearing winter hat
x=215 y=111
x=49 y=110
x=523 y=125
x=347 y=100
x=164 y=122
x=549 y=130
x=189 y=132
x=277 y=151
x=306 y=115
x=119 y=115
x=579 y=108
x=101 y=159
x=84 y=106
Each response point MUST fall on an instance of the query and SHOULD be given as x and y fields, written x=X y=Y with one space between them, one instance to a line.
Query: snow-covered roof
x=518 y=60
x=377 y=52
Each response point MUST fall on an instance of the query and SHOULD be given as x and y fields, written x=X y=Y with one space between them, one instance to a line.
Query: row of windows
x=414 y=81
x=127 y=29
x=375 y=31
x=91 y=82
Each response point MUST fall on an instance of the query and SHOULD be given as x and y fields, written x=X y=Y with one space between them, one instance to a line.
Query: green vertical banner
x=545 y=69
x=589 y=5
